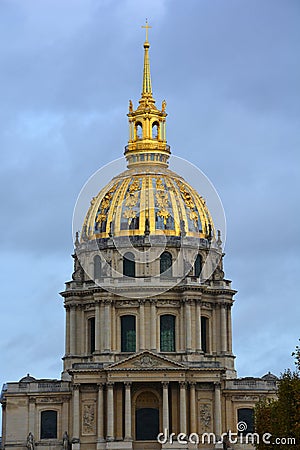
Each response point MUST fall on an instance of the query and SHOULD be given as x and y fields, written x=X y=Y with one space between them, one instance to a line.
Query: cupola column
x=107 y=325
x=73 y=330
x=198 y=327
x=67 y=330
x=153 y=326
x=223 y=320
x=142 y=325
x=97 y=328
x=188 y=326
x=229 y=329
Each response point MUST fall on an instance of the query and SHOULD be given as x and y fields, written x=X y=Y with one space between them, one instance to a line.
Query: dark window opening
x=204 y=334
x=49 y=424
x=198 y=266
x=134 y=224
x=97 y=267
x=128 y=334
x=129 y=265
x=166 y=264
x=91 y=334
x=167 y=333
x=246 y=415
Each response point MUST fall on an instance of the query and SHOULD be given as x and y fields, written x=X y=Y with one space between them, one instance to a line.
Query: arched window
x=246 y=415
x=49 y=424
x=204 y=334
x=128 y=334
x=97 y=267
x=166 y=264
x=139 y=131
x=167 y=333
x=155 y=130
x=129 y=265
x=91 y=335
x=198 y=266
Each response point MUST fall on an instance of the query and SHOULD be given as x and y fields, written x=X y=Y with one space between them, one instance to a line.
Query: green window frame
x=167 y=333
x=128 y=334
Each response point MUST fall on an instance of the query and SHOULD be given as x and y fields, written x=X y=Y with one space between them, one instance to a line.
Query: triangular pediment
x=146 y=360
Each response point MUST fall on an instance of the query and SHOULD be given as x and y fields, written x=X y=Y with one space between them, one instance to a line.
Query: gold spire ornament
x=147 y=124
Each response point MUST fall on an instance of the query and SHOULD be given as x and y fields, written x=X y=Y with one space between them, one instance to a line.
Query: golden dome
x=154 y=201
x=147 y=198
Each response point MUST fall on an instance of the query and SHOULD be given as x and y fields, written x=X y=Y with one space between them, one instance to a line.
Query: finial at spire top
x=147 y=28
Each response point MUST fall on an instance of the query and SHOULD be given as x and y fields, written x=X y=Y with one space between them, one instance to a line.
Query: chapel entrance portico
x=142 y=396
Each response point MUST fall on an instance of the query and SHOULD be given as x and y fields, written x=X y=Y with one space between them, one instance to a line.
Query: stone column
x=67 y=330
x=97 y=328
x=72 y=330
x=223 y=328
x=166 y=407
x=31 y=422
x=213 y=330
x=229 y=330
x=100 y=415
x=193 y=422
x=102 y=327
x=188 y=326
x=198 y=328
x=82 y=333
x=110 y=412
x=218 y=412
x=128 y=430
x=76 y=413
x=153 y=327
x=182 y=401
x=142 y=325
x=107 y=328
x=65 y=414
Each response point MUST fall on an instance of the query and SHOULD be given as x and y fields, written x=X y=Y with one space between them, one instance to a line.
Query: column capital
x=110 y=384
x=192 y=384
x=165 y=384
x=128 y=384
x=100 y=386
x=217 y=385
x=183 y=384
x=76 y=387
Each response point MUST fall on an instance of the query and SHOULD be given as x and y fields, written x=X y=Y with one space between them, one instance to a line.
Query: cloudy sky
x=230 y=71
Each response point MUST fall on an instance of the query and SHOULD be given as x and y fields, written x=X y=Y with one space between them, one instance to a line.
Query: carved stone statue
x=130 y=106
x=163 y=106
x=66 y=441
x=30 y=441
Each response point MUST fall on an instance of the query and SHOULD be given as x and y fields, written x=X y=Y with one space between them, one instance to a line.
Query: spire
x=147 y=143
x=147 y=88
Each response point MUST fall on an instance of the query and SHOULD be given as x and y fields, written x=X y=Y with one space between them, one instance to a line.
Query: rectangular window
x=167 y=333
x=128 y=334
x=49 y=424
x=204 y=334
x=92 y=334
